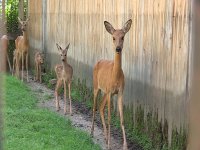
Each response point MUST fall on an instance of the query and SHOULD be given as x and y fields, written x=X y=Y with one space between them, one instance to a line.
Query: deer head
x=63 y=52
x=23 y=23
x=41 y=58
x=118 y=34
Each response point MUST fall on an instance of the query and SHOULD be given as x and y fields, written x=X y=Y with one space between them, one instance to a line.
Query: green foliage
x=11 y=16
x=150 y=134
x=28 y=127
x=12 y=22
x=47 y=77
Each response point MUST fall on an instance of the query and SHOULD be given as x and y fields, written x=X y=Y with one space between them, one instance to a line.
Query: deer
x=4 y=47
x=22 y=46
x=64 y=74
x=39 y=60
x=108 y=77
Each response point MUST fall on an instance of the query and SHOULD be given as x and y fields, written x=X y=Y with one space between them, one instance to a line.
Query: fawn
x=39 y=60
x=64 y=74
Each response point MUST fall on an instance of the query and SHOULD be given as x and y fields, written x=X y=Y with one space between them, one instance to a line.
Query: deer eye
x=65 y=55
x=113 y=39
x=122 y=38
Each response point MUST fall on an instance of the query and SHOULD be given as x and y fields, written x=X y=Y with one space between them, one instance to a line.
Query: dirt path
x=80 y=118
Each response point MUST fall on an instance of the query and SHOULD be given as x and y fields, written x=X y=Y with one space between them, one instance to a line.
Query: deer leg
x=40 y=73
x=9 y=63
x=17 y=65
x=94 y=110
x=120 y=105
x=65 y=97
x=13 y=66
x=22 y=77
x=35 y=77
x=102 y=108
x=27 y=66
x=70 y=100
x=109 y=118
x=58 y=85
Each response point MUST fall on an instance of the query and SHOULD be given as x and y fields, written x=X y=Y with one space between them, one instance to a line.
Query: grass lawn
x=27 y=127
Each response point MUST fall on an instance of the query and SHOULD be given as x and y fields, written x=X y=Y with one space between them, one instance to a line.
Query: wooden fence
x=156 y=49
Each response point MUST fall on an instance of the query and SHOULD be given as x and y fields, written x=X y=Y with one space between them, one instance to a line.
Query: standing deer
x=22 y=46
x=4 y=52
x=64 y=74
x=108 y=77
x=38 y=62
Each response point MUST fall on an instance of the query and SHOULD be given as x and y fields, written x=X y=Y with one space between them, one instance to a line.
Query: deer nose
x=63 y=60
x=118 y=49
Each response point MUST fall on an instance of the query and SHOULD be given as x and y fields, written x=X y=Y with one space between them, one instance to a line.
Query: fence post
x=21 y=9
x=194 y=105
x=44 y=16
x=1 y=120
x=3 y=54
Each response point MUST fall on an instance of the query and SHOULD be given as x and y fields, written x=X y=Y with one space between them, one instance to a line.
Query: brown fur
x=108 y=77
x=39 y=60
x=64 y=74
x=22 y=46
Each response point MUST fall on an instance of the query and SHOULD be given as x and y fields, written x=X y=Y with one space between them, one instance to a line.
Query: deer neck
x=65 y=64
x=25 y=36
x=117 y=65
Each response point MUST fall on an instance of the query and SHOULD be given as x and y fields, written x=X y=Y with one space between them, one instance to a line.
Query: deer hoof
x=70 y=112
x=125 y=147
x=92 y=134
x=58 y=109
x=109 y=148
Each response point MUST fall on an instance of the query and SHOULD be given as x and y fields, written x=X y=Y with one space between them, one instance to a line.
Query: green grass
x=28 y=127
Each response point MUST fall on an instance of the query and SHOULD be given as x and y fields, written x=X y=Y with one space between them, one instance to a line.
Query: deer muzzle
x=118 y=49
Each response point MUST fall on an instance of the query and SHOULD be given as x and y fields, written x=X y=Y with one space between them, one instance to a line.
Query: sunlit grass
x=29 y=127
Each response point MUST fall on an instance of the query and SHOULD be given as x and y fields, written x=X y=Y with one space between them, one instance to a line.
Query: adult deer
x=108 y=77
x=39 y=60
x=64 y=74
x=22 y=46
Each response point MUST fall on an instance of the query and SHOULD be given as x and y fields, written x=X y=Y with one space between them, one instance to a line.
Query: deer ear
x=67 y=47
x=19 y=19
x=109 y=27
x=127 y=26
x=28 y=19
x=59 y=48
